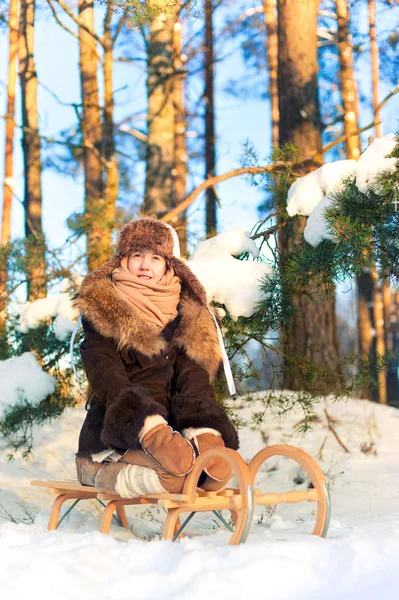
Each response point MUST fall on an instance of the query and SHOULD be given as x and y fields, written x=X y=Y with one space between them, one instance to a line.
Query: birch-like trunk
x=270 y=12
x=159 y=186
x=36 y=265
x=312 y=331
x=97 y=241
x=209 y=99
x=180 y=154
x=8 y=185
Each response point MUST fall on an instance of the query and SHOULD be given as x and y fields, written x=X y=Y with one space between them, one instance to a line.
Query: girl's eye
x=156 y=258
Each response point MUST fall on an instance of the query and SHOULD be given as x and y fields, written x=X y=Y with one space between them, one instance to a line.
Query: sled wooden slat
x=240 y=501
x=270 y=499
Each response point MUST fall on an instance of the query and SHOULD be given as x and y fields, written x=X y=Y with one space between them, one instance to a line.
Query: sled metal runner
x=240 y=501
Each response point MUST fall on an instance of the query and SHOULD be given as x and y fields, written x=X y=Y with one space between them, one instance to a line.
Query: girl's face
x=147 y=265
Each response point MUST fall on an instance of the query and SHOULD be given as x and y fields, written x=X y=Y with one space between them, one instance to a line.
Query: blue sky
x=237 y=121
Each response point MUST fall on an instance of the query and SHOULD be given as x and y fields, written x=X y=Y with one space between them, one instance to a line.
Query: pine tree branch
x=313 y=158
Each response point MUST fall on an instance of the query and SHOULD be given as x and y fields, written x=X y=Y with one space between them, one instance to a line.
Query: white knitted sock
x=135 y=480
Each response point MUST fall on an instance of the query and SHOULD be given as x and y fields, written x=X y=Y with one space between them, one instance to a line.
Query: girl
x=150 y=352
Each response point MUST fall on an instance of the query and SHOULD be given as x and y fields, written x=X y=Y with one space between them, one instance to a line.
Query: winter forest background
x=115 y=108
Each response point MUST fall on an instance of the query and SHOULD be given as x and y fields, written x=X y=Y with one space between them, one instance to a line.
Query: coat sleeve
x=127 y=405
x=193 y=403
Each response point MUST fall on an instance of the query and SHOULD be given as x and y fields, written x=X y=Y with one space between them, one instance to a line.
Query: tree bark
x=270 y=12
x=36 y=265
x=97 y=230
x=209 y=99
x=8 y=185
x=347 y=80
x=312 y=330
x=180 y=151
x=111 y=165
x=375 y=66
x=369 y=313
x=159 y=188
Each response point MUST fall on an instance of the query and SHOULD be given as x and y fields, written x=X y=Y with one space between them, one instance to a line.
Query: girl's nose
x=145 y=263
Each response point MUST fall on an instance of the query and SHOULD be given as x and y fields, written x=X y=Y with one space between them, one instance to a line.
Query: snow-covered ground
x=281 y=560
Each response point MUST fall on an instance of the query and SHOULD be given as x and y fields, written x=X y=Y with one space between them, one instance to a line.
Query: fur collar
x=113 y=318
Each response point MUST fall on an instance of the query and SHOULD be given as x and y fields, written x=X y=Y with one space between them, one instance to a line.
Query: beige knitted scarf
x=156 y=302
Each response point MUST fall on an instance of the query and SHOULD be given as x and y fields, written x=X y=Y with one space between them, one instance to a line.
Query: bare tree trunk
x=159 y=188
x=347 y=81
x=312 y=331
x=111 y=168
x=180 y=155
x=368 y=295
x=209 y=98
x=270 y=12
x=36 y=265
x=97 y=240
x=8 y=186
x=375 y=67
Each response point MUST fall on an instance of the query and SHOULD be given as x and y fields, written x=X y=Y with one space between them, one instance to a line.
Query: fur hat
x=151 y=234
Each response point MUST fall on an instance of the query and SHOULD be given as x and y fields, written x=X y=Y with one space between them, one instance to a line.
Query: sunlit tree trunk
x=36 y=265
x=347 y=81
x=97 y=240
x=180 y=155
x=375 y=68
x=159 y=188
x=312 y=331
x=209 y=99
x=270 y=12
x=370 y=313
x=111 y=168
x=8 y=185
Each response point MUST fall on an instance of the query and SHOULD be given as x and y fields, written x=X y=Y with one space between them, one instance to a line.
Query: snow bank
x=374 y=161
x=32 y=314
x=231 y=282
x=306 y=192
x=21 y=378
x=281 y=559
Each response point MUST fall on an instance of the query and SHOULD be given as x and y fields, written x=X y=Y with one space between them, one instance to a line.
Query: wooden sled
x=240 y=501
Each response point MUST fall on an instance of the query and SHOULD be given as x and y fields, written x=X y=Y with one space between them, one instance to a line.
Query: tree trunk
x=111 y=168
x=209 y=98
x=180 y=154
x=312 y=331
x=97 y=228
x=270 y=12
x=159 y=188
x=36 y=265
x=8 y=186
x=375 y=67
x=347 y=81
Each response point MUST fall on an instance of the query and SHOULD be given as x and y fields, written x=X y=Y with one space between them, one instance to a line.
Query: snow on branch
x=227 y=280
x=314 y=193
x=22 y=378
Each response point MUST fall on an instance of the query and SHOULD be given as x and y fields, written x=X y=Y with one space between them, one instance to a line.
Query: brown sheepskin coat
x=134 y=373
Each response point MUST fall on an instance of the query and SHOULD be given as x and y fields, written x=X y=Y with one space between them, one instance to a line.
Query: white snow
x=21 y=378
x=234 y=283
x=281 y=559
x=306 y=192
x=316 y=229
x=373 y=162
x=310 y=195
x=32 y=314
